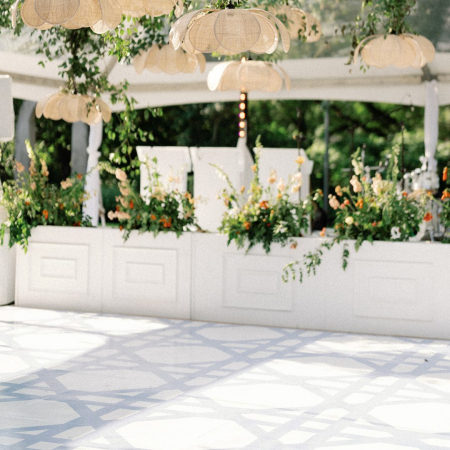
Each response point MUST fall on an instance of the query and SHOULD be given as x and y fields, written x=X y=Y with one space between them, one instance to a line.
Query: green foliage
x=32 y=201
x=163 y=208
x=265 y=215
x=445 y=213
x=6 y=161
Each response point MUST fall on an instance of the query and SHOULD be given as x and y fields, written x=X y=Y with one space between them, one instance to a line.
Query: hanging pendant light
x=299 y=23
x=402 y=51
x=73 y=108
x=99 y=15
x=229 y=31
x=246 y=76
x=168 y=60
x=154 y=8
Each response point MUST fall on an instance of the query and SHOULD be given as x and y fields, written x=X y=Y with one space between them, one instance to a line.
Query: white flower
x=297 y=178
x=295 y=188
x=280 y=228
x=273 y=177
x=395 y=233
x=120 y=175
x=281 y=186
x=357 y=186
x=349 y=220
x=233 y=212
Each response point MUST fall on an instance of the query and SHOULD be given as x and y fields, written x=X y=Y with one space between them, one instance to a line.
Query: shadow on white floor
x=89 y=381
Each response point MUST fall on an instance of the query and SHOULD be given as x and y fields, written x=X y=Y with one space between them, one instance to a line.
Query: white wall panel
x=61 y=270
x=147 y=275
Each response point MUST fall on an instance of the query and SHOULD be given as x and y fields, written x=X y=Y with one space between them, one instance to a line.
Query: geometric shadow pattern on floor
x=90 y=381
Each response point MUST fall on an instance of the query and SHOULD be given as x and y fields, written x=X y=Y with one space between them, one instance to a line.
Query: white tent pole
x=431 y=124
x=93 y=188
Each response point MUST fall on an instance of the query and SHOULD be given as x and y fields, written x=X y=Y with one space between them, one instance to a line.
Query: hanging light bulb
x=247 y=76
x=99 y=15
x=299 y=23
x=402 y=51
x=167 y=59
x=229 y=31
x=73 y=108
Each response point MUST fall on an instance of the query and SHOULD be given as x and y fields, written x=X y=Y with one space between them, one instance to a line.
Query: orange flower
x=264 y=204
x=153 y=217
x=294 y=245
x=360 y=203
x=405 y=194
x=374 y=224
x=323 y=232
x=247 y=225
x=80 y=176
x=131 y=204
x=120 y=227
x=27 y=203
x=77 y=224
x=445 y=194
x=428 y=217
x=167 y=223
x=61 y=206
x=45 y=214
x=138 y=217
x=117 y=208
x=445 y=174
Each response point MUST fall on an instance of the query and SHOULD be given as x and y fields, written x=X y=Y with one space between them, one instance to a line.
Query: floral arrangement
x=375 y=210
x=264 y=215
x=445 y=213
x=162 y=209
x=368 y=210
x=31 y=200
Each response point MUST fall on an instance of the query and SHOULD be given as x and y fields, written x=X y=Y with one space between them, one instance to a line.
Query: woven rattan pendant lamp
x=246 y=76
x=73 y=108
x=229 y=31
x=168 y=60
x=299 y=23
x=99 y=15
x=402 y=51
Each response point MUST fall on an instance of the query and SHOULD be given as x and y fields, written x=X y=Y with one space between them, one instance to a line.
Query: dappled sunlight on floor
x=87 y=381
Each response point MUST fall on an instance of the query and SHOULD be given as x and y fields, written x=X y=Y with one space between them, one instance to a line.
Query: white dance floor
x=89 y=381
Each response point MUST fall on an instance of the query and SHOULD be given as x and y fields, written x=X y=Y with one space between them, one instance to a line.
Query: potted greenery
x=263 y=230
x=147 y=267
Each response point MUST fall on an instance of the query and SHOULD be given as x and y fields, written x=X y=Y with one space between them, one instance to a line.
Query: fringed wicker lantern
x=229 y=31
x=99 y=15
x=299 y=23
x=73 y=108
x=246 y=76
x=168 y=60
x=402 y=51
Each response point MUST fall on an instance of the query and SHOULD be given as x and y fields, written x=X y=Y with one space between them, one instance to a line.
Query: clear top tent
x=318 y=70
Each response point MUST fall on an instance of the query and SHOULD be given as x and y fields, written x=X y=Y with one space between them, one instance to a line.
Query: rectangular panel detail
x=393 y=290
x=144 y=275
x=252 y=281
x=258 y=282
x=60 y=268
x=389 y=289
